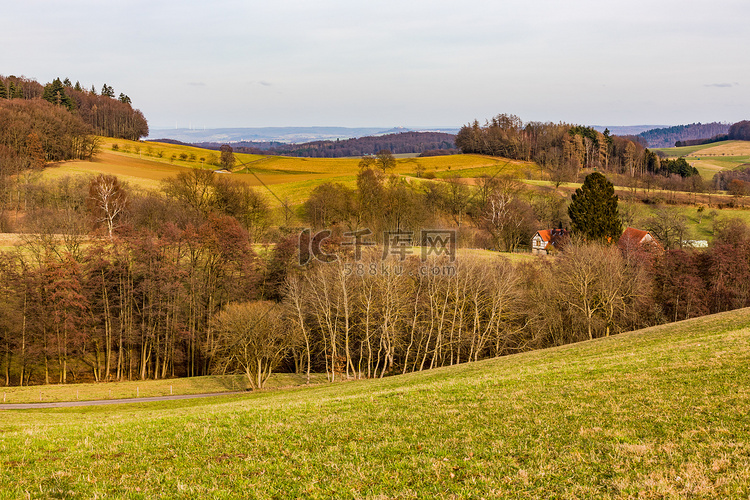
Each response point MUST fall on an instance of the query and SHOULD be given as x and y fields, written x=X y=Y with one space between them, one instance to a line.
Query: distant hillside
x=296 y=135
x=667 y=137
x=401 y=143
x=405 y=142
x=625 y=129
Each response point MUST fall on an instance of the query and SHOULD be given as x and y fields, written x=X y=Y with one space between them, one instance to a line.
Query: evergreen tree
x=593 y=211
x=3 y=90
x=108 y=91
x=78 y=86
x=55 y=93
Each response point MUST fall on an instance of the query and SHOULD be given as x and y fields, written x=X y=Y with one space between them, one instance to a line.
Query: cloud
x=721 y=85
x=196 y=84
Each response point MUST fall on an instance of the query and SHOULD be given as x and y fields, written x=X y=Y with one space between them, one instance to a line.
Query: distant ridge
x=668 y=136
x=293 y=135
x=426 y=143
x=627 y=129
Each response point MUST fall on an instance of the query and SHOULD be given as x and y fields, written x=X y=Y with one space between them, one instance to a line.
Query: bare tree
x=253 y=335
x=107 y=201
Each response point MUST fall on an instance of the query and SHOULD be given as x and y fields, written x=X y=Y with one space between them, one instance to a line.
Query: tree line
x=667 y=137
x=561 y=149
x=106 y=114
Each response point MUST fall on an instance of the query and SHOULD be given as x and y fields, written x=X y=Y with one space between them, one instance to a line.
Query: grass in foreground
x=146 y=388
x=661 y=413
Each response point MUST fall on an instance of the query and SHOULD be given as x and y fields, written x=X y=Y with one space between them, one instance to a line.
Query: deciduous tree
x=253 y=336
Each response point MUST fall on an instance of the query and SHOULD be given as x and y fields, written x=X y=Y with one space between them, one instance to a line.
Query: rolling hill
x=714 y=157
x=144 y=165
x=657 y=413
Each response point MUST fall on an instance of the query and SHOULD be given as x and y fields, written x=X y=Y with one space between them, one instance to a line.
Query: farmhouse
x=548 y=240
x=633 y=238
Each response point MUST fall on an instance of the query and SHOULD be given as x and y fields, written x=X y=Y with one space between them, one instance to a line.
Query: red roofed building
x=546 y=241
x=633 y=238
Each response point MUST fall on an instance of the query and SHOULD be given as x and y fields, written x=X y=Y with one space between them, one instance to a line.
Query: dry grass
x=727 y=148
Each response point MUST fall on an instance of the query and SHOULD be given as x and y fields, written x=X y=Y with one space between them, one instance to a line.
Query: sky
x=390 y=63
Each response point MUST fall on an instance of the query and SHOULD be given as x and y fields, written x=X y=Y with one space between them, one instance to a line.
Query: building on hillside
x=546 y=241
x=633 y=239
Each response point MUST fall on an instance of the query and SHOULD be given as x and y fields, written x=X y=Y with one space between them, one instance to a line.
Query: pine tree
x=3 y=90
x=108 y=91
x=593 y=211
x=55 y=93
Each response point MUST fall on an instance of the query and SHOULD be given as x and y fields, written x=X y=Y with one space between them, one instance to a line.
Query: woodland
x=202 y=276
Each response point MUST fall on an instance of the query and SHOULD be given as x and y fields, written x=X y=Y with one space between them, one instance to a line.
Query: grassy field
x=146 y=388
x=660 y=413
x=145 y=165
x=712 y=158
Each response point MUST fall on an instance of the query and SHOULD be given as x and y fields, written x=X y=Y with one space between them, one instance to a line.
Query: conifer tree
x=3 y=90
x=55 y=93
x=593 y=211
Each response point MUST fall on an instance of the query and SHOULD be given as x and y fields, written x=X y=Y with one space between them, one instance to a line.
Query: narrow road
x=98 y=402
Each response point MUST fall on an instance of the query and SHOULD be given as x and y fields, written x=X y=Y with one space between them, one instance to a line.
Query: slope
x=657 y=413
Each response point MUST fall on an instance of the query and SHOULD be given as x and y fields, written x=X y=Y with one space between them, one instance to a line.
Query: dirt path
x=98 y=402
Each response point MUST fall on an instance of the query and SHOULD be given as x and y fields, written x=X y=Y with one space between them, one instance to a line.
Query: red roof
x=552 y=237
x=633 y=237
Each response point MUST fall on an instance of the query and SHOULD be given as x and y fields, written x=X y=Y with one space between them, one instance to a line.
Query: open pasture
x=658 y=413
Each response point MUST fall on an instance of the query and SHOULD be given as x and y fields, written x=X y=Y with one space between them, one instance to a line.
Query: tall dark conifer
x=593 y=211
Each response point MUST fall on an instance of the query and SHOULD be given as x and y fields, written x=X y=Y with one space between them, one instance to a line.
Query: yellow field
x=729 y=148
x=710 y=159
x=145 y=164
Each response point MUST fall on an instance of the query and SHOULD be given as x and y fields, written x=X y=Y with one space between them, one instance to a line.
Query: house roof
x=551 y=237
x=632 y=237
x=549 y=234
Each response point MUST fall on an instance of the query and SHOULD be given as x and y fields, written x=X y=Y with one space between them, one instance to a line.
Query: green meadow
x=714 y=157
x=658 y=413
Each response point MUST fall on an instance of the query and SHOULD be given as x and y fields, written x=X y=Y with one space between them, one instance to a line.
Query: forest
x=103 y=113
x=683 y=134
x=564 y=150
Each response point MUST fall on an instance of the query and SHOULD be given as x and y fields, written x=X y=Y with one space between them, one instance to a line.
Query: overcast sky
x=388 y=63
